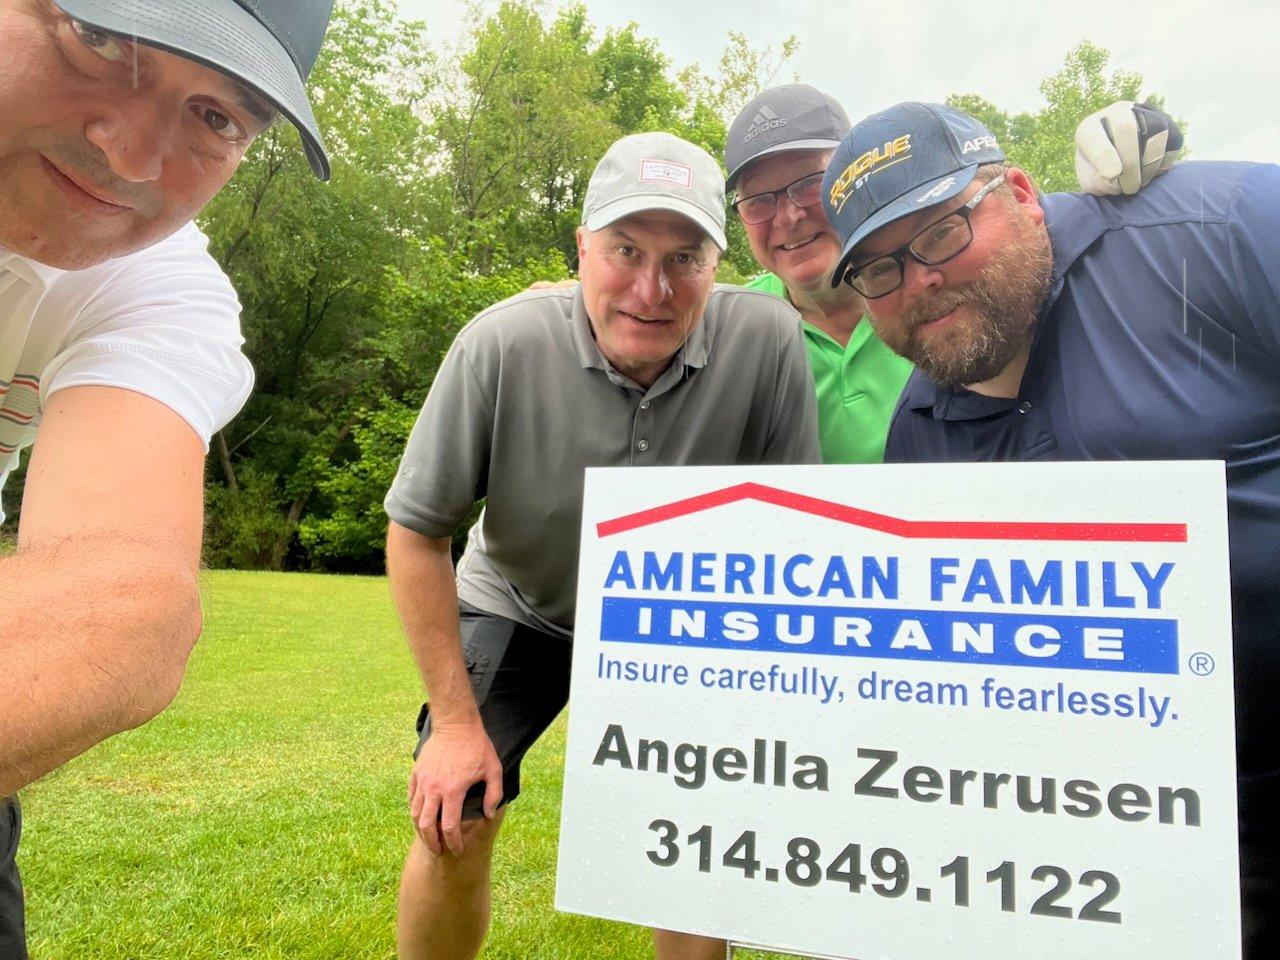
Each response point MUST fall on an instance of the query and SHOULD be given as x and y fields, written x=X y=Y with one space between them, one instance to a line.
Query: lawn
x=263 y=814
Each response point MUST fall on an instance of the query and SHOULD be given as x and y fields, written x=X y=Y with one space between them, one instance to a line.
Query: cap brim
x=913 y=201
x=736 y=172
x=224 y=36
x=625 y=206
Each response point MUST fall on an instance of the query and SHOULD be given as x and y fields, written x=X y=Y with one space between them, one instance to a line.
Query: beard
x=1000 y=314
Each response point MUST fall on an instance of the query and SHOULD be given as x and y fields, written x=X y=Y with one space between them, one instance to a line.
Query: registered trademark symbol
x=1201 y=664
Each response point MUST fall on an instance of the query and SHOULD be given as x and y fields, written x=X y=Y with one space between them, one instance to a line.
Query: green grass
x=263 y=815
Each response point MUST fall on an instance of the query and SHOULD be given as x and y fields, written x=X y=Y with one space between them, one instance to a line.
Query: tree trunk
x=281 y=547
x=228 y=469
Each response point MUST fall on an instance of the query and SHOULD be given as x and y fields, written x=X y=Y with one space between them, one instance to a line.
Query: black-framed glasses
x=760 y=207
x=937 y=243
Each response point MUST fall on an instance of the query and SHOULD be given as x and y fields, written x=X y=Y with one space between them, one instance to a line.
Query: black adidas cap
x=794 y=117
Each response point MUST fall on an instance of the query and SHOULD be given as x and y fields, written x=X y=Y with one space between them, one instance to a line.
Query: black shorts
x=13 y=937
x=1260 y=898
x=520 y=679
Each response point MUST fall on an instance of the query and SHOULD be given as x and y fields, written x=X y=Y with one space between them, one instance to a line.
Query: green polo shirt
x=858 y=386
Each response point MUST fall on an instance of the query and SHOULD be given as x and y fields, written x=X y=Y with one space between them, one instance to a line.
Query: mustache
x=88 y=164
x=941 y=303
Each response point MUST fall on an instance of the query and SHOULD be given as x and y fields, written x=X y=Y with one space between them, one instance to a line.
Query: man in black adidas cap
x=120 y=342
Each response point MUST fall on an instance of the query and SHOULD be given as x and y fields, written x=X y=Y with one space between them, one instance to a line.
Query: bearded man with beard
x=1069 y=327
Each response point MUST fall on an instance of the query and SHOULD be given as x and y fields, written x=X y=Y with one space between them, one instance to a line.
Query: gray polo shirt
x=524 y=402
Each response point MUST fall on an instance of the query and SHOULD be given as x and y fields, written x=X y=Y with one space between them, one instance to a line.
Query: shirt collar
x=1074 y=222
x=861 y=333
x=954 y=403
x=692 y=354
x=33 y=273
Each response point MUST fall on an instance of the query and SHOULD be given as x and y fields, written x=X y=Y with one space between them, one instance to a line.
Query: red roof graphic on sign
x=911 y=529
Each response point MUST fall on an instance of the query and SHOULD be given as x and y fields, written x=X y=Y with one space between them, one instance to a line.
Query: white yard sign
x=915 y=712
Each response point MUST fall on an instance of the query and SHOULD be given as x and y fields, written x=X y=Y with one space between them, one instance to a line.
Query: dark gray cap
x=794 y=117
x=269 y=45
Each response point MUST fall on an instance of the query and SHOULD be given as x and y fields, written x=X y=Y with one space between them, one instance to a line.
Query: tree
x=307 y=260
x=418 y=322
x=521 y=130
x=1042 y=142
x=635 y=82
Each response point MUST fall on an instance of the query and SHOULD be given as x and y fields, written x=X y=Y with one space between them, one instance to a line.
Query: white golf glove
x=1121 y=148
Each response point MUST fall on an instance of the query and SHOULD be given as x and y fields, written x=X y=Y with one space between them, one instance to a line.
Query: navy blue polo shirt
x=1160 y=339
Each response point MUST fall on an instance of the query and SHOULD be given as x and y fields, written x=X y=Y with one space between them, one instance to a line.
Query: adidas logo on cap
x=764 y=121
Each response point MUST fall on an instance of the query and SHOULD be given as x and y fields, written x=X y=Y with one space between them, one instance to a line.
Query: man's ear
x=1024 y=194
x=582 y=236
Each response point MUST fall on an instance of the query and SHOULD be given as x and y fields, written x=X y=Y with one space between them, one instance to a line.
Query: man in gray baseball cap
x=776 y=152
x=645 y=362
x=120 y=344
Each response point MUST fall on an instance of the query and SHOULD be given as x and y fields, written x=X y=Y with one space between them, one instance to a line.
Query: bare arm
x=458 y=752
x=99 y=607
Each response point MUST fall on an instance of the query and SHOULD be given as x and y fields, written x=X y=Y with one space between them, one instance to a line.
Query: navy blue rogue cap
x=269 y=45
x=899 y=161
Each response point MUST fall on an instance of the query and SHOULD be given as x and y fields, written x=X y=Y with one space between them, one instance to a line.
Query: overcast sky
x=1217 y=63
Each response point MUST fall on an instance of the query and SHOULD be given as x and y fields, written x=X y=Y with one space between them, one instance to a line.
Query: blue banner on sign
x=1126 y=645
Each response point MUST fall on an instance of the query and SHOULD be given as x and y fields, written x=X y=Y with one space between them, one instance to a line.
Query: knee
x=470 y=867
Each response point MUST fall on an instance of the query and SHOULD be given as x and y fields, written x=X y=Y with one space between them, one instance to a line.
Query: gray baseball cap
x=269 y=45
x=656 y=171
x=794 y=117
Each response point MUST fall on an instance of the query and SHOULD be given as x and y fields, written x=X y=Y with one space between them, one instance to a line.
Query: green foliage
x=245 y=523
x=355 y=527
x=11 y=500
x=521 y=129
x=458 y=180
x=635 y=82
x=308 y=260
x=1041 y=142
x=417 y=322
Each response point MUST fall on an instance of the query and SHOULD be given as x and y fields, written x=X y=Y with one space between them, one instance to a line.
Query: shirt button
x=1024 y=406
x=642 y=446
x=644 y=405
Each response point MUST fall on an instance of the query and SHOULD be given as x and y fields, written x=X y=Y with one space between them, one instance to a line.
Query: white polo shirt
x=163 y=322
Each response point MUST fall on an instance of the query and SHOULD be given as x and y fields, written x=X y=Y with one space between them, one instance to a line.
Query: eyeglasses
x=937 y=243
x=760 y=207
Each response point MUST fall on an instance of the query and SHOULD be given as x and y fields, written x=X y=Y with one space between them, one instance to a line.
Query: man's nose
x=136 y=137
x=789 y=213
x=652 y=286
x=919 y=278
